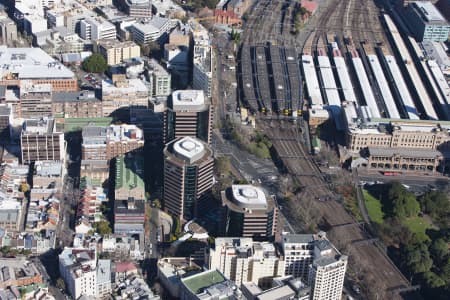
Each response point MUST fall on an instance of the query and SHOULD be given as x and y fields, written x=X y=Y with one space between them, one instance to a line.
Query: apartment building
x=123 y=93
x=249 y=212
x=35 y=100
x=12 y=175
x=18 y=272
x=188 y=113
x=203 y=59
x=313 y=258
x=327 y=272
x=97 y=29
x=83 y=274
x=81 y=104
x=40 y=141
x=208 y=285
x=129 y=195
x=155 y=30
x=426 y=22
x=188 y=177
x=105 y=143
x=33 y=64
x=243 y=260
x=159 y=78
x=116 y=52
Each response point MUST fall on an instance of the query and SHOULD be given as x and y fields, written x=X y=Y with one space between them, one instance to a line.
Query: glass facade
x=190 y=183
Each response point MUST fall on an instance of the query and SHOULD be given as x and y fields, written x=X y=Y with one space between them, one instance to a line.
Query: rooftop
x=31 y=63
x=80 y=96
x=429 y=12
x=153 y=26
x=188 y=100
x=131 y=86
x=129 y=173
x=41 y=126
x=405 y=152
x=197 y=283
x=190 y=149
x=249 y=196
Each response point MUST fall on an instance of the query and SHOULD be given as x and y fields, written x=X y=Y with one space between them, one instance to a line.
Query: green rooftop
x=198 y=282
x=130 y=172
x=76 y=124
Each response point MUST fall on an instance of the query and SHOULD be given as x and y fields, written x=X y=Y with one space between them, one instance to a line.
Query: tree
x=436 y=204
x=95 y=63
x=404 y=203
x=433 y=280
x=102 y=227
x=418 y=258
x=439 y=250
x=157 y=203
x=60 y=284
x=24 y=187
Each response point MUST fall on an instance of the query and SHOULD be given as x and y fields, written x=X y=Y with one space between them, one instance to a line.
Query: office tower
x=40 y=140
x=188 y=176
x=188 y=113
x=249 y=212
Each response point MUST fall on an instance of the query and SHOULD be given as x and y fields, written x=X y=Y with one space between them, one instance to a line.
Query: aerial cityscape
x=224 y=149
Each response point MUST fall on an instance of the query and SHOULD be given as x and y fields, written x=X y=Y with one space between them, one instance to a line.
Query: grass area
x=418 y=225
x=373 y=206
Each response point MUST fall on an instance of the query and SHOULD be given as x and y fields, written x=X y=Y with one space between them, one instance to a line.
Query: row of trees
x=425 y=259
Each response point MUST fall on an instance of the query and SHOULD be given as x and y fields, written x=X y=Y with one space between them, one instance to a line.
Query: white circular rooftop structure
x=189 y=149
x=249 y=196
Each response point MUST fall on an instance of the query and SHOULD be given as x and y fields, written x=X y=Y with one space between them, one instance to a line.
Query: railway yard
x=346 y=56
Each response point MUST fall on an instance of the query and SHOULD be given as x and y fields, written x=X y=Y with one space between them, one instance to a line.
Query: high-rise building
x=155 y=30
x=39 y=141
x=136 y=8
x=107 y=142
x=243 y=260
x=188 y=177
x=313 y=258
x=203 y=59
x=35 y=100
x=121 y=93
x=116 y=52
x=208 y=285
x=327 y=272
x=83 y=274
x=97 y=29
x=160 y=79
x=8 y=30
x=77 y=268
x=188 y=113
x=426 y=22
x=249 y=212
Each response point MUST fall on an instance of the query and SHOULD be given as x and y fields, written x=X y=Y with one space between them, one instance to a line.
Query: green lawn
x=373 y=206
x=418 y=225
